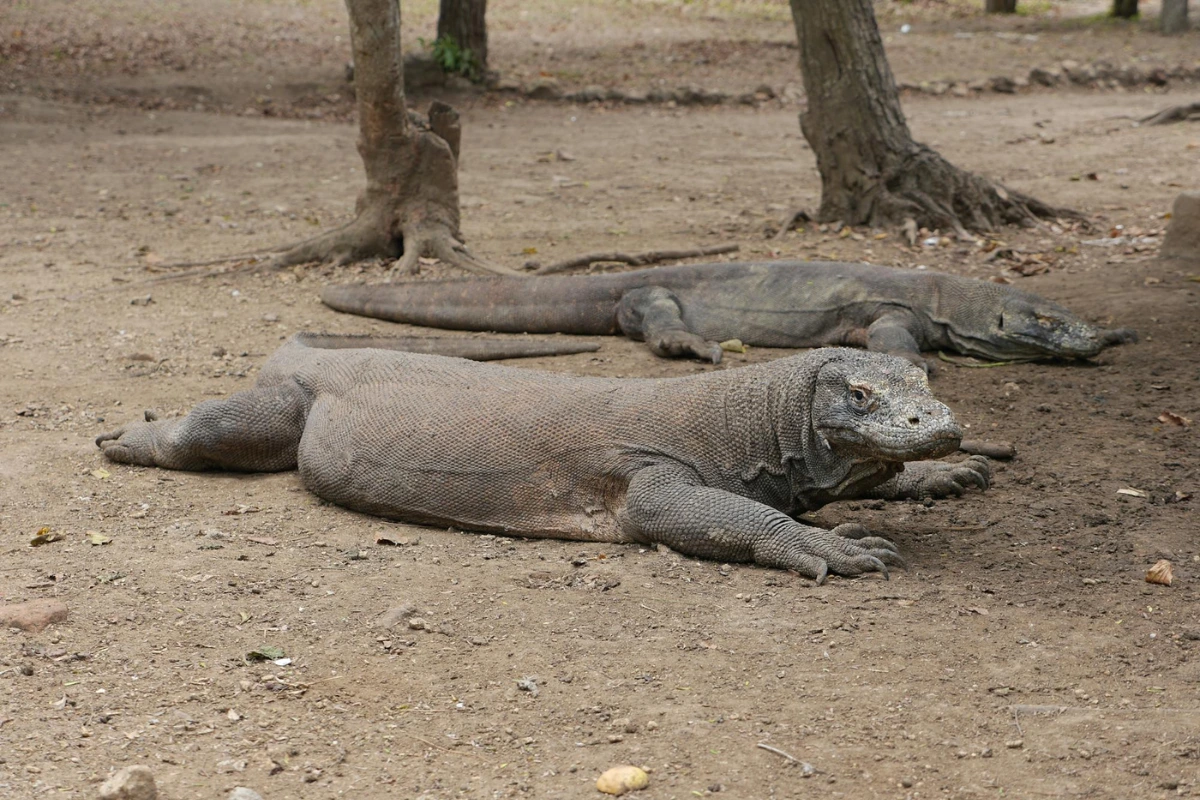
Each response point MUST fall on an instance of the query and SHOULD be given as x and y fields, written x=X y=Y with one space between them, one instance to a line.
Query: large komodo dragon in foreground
x=712 y=465
x=686 y=310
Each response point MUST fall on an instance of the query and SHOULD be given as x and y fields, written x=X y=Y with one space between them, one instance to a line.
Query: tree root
x=634 y=259
x=437 y=242
x=927 y=188
x=362 y=239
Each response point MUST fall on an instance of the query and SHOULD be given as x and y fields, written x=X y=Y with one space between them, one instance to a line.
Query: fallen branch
x=190 y=264
x=252 y=266
x=1001 y=451
x=635 y=259
x=1184 y=113
x=806 y=769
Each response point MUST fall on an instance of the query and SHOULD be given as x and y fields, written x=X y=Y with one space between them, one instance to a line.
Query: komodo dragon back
x=685 y=310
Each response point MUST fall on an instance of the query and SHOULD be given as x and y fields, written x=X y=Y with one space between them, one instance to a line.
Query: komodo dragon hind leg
x=892 y=334
x=652 y=314
x=663 y=508
x=257 y=430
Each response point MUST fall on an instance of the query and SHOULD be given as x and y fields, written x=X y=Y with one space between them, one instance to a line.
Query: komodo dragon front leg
x=653 y=314
x=664 y=506
x=257 y=430
x=934 y=480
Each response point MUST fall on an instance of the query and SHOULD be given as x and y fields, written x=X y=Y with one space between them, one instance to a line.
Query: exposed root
x=927 y=188
x=437 y=242
x=635 y=259
x=357 y=240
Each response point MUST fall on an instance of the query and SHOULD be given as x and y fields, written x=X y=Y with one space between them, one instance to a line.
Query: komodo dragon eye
x=860 y=396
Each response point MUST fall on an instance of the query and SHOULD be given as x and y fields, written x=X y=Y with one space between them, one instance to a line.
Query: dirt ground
x=1022 y=655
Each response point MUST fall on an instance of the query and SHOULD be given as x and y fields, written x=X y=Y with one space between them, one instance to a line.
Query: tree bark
x=1000 y=6
x=1125 y=9
x=409 y=208
x=1174 y=18
x=872 y=172
x=463 y=21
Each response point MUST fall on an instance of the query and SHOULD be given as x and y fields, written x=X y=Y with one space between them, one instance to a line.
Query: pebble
x=242 y=793
x=130 y=783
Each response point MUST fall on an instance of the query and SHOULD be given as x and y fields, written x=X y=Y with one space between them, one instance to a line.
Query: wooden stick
x=635 y=259
x=189 y=264
x=1001 y=451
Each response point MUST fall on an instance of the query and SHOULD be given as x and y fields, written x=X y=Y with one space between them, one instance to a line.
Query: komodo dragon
x=685 y=310
x=711 y=465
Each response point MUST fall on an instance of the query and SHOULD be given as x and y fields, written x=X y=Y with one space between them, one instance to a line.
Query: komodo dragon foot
x=847 y=550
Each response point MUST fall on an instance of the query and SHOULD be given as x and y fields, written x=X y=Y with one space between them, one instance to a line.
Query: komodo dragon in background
x=711 y=465
x=686 y=310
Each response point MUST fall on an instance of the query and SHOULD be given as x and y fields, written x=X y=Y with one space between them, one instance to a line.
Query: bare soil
x=1022 y=655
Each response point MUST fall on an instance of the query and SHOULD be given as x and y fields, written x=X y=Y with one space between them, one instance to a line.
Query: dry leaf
x=96 y=538
x=1172 y=418
x=733 y=346
x=1132 y=492
x=100 y=473
x=45 y=536
x=1160 y=573
x=263 y=540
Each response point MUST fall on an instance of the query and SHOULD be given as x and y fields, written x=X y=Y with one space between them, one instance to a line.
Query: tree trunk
x=1000 y=6
x=463 y=21
x=872 y=172
x=409 y=208
x=1125 y=9
x=1174 y=17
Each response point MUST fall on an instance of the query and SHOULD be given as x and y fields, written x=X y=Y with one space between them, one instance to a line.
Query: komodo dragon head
x=1027 y=327
x=879 y=407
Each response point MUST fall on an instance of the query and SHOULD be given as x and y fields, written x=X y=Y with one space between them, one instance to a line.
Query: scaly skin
x=714 y=465
x=686 y=310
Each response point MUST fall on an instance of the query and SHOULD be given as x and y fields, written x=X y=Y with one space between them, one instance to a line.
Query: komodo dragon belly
x=433 y=458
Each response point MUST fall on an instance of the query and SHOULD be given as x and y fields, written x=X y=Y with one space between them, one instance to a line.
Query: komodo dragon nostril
x=914 y=421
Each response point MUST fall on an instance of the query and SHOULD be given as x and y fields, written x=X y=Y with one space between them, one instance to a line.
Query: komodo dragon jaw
x=883 y=414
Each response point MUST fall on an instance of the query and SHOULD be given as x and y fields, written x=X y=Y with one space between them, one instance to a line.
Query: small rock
x=622 y=779
x=131 y=783
x=1045 y=77
x=545 y=90
x=393 y=615
x=1003 y=85
x=417 y=623
x=242 y=793
x=1182 y=239
x=33 y=616
x=1015 y=744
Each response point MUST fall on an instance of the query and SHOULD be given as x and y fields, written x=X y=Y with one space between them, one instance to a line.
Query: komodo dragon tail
x=564 y=304
x=457 y=346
